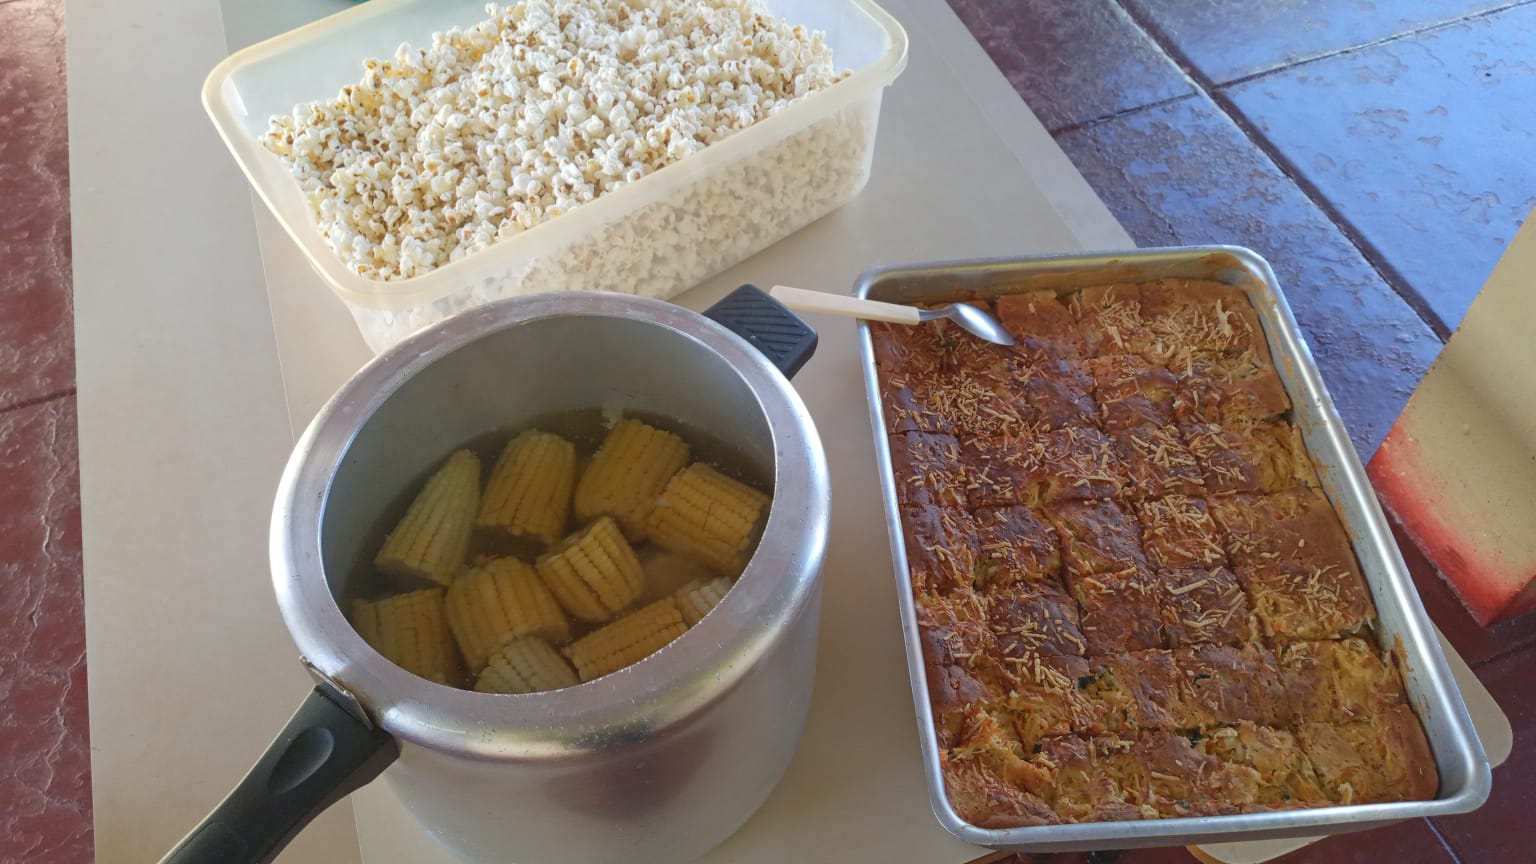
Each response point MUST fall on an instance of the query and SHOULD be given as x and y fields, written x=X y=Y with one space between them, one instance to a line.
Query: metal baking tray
x=1465 y=777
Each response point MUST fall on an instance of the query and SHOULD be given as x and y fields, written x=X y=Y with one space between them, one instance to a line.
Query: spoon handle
x=838 y=304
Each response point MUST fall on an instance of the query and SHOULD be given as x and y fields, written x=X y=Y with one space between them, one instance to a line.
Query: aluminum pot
x=657 y=762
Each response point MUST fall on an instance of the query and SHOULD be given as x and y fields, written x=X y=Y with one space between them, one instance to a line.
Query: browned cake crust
x=1078 y=789
x=1339 y=682
x=1196 y=319
x=1174 y=778
x=938 y=378
x=982 y=799
x=974 y=405
x=1405 y=755
x=927 y=470
x=1097 y=536
x=1382 y=758
x=1015 y=545
x=1205 y=607
x=1048 y=701
x=1224 y=465
x=1042 y=326
x=901 y=350
x=1258 y=457
x=942 y=548
x=1133 y=600
x=1136 y=692
x=1177 y=531
x=1345 y=769
x=1157 y=463
x=1120 y=611
x=960 y=670
x=906 y=407
x=1297 y=524
x=1223 y=684
x=1307 y=600
x=960 y=353
x=1167 y=322
x=1132 y=392
x=906 y=362
x=1031 y=620
x=1282 y=776
x=1235 y=390
x=1108 y=316
x=1076 y=464
x=1000 y=472
x=1055 y=394
x=984 y=405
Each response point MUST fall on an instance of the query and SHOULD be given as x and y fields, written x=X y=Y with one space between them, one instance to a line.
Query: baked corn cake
x=1134 y=600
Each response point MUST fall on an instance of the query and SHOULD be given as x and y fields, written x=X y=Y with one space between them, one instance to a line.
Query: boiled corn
x=695 y=599
x=529 y=493
x=411 y=631
x=593 y=573
x=627 y=473
x=497 y=601
x=708 y=517
x=627 y=640
x=525 y=665
x=431 y=540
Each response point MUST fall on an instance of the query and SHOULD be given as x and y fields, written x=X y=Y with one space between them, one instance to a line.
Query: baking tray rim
x=1460 y=748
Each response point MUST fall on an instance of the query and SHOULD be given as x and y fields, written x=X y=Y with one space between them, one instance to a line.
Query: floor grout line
x=1388 y=40
x=37 y=400
x=1444 y=841
x=1080 y=125
x=1368 y=251
x=1504 y=653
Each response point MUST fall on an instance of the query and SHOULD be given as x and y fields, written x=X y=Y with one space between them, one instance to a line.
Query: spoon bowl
x=972 y=319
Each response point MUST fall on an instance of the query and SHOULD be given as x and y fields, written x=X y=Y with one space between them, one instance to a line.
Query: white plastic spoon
x=971 y=318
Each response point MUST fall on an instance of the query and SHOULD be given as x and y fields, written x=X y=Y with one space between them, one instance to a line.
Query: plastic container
x=656 y=237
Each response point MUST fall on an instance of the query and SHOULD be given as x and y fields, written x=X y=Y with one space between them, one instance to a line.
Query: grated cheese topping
x=1163 y=657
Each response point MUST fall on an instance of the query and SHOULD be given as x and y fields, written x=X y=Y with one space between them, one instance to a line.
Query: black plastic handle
x=782 y=336
x=321 y=756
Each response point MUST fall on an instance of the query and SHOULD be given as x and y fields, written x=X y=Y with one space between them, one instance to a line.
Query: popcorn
x=665 y=246
x=550 y=104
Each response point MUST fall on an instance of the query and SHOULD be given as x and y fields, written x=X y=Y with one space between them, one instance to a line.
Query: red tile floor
x=1377 y=153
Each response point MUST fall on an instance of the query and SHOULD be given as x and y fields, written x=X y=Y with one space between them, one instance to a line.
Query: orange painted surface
x=1441 y=515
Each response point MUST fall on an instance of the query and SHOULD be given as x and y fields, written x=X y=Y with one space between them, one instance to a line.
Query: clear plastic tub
x=657 y=237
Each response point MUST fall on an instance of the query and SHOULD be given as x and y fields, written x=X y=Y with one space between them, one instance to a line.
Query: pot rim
x=659 y=691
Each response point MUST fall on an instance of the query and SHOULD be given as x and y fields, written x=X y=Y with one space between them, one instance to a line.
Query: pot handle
x=768 y=325
x=322 y=755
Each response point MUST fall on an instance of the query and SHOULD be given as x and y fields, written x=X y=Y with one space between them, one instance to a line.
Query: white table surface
x=205 y=343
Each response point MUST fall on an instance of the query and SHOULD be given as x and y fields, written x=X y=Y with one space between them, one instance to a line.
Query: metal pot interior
x=505 y=380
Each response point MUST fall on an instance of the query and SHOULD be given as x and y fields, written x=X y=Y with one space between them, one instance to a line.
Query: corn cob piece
x=525 y=665
x=500 y=600
x=593 y=573
x=411 y=631
x=529 y=493
x=433 y=537
x=627 y=473
x=708 y=517
x=695 y=599
x=628 y=640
